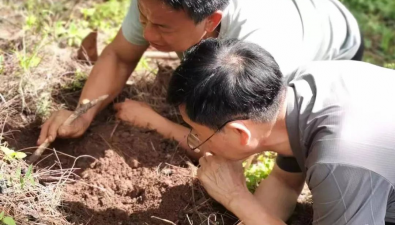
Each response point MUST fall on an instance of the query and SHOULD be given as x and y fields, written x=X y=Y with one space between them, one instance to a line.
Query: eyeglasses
x=193 y=141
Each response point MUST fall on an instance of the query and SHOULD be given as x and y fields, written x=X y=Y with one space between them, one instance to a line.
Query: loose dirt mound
x=140 y=178
x=137 y=175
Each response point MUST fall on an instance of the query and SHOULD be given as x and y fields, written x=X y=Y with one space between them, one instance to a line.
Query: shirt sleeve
x=132 y=29
x=344 y=194
x=288 y=164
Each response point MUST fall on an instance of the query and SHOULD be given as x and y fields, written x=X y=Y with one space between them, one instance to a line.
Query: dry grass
x=26 y=199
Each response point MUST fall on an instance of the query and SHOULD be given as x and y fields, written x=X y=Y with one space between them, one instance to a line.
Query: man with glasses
x=294 y=31
x=332 y=125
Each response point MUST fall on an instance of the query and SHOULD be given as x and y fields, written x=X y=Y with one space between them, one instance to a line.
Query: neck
x=278 y=140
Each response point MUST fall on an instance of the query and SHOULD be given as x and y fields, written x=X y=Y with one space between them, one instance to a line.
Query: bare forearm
x=278 y=197
x=175 y=131
x=108 y=76
x=248 y=209
x=171 y=130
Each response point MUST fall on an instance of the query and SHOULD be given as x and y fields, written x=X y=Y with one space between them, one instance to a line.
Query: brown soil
x=137 y=175
x=129 y=175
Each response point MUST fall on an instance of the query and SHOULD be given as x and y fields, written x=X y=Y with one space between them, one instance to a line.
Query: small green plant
x=106 y=17
x=30 y=22
x=258 y=171
x=76 y=32
x=7 y=220
x=27 y=177
x=79 y=80
x=43 y=105
x=11 y=154
x=29 y=60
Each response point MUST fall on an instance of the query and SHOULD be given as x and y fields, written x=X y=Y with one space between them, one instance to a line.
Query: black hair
x=198 y=10
x=219 y=80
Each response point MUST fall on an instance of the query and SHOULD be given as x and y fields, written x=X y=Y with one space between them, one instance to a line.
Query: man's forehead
x=159 y=12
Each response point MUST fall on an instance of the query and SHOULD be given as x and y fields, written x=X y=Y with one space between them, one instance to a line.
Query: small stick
x=164 y=220
x=115 y=128
x=81 y=109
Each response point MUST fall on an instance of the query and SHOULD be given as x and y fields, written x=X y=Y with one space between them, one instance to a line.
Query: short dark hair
x=198 y=10
x=219 y=80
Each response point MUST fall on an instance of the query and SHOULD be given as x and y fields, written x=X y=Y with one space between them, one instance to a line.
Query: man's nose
x=151 y=33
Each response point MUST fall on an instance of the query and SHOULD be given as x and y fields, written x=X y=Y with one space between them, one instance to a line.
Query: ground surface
x=124 y=175
x=137 y=175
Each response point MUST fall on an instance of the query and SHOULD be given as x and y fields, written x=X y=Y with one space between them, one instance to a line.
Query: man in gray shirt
x=332 y=125
x=294 y=31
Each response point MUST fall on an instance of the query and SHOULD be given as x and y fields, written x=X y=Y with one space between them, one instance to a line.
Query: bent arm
x=110 y=73
x=279 y=192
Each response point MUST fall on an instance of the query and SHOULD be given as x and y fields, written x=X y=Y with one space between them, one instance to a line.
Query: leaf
x=29 y=171
x=28 y=174
x=9 y=221
x=8 y=152
x=20 y=155
x=1 y=215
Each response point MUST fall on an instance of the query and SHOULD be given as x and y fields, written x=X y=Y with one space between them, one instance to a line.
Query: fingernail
x=197 y=150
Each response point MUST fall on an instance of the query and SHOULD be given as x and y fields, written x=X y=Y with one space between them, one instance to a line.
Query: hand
x=223 y=179
x=53 y=127
x=137 y=114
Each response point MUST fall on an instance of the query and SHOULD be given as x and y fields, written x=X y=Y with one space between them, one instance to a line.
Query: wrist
x=240 y=199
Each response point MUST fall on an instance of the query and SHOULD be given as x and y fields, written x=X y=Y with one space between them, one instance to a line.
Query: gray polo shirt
x=293 y=31
x=341 y=126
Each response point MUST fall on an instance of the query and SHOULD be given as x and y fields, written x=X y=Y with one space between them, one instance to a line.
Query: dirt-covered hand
x=223 y=179
x=54 y=127
x=137 y=114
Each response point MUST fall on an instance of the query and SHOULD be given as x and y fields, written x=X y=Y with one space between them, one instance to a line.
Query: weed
x=22 y=196
x=259 y=170
x=43 y=105
x=78 y=81
x=7 y=220
x=30 y=60
x=106 y=17
x=11 y=154
x=377 y=22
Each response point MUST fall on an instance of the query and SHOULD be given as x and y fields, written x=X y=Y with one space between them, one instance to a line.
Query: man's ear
x=244 y=132
x=213 y=21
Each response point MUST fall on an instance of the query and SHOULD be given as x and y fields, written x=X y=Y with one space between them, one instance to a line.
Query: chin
x=162 y=48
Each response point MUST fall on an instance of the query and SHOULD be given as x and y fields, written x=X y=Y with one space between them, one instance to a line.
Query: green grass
x=50 y=18
x=259 y=170
x=377 y=22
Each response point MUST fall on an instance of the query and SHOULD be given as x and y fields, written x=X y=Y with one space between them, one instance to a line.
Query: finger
x=208 y=154
x=118 y=106
x=44 y=130
x=121 y=116
x=75 y=129
x=54 y=127
x=199 y=173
